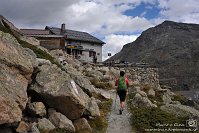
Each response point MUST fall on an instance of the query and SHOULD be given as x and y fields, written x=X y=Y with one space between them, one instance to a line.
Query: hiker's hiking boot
x=120 y=111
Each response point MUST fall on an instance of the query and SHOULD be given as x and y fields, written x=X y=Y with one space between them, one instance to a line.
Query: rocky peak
x=171 y=28
x=167 y=46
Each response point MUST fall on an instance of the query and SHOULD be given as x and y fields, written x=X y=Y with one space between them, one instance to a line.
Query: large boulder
x=63 y=57
x=61 y=121
x=13 y=55
x=166 y=99
x=82 y=125
x=166 y=95
x=59 y=91
x=72 y=71
x=103 y=70
x=41 y=62
x=139 y=101
x=107 y=78
x=84 y=83
x=36 y=109
x=94 y=73
x=92 y=108
x=45 y=125
x=33 y=128
x=151 y=92
x=16 y=67
x=23 y=127
x=180 y=110
x=138 y=90
x=104 y=94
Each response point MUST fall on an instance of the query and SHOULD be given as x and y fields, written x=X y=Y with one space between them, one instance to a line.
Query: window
x=90 y=53
x=80 y=52
x=98 y=53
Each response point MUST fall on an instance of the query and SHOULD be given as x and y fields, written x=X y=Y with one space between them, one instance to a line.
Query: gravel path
x=118 y=123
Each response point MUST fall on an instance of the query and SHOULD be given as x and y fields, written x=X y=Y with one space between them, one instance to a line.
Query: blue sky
x=116 y=22
x=148 y=11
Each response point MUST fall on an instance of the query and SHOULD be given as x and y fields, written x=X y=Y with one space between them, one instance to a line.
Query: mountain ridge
x=167 y=46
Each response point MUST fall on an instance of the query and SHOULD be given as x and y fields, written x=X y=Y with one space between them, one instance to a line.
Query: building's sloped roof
x=46 y=36
x=39 y=33
x=34 y=32
x=75 y=35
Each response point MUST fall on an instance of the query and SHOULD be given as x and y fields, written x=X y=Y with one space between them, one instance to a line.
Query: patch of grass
x=43 y=131
x=5 y=30
x=148 y=118
x=99 y=96
x=156 y=100
x=59 y=130
x=130 y=96
x=39 y=53
x=99 y=84
x=100 y=124
x=83 y=131
x=182 y=99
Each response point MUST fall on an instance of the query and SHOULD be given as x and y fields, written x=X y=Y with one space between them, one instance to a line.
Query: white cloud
x=101 y=16
x=104 y=18
x=34 y=13
x=178 y=11
x=114 y=43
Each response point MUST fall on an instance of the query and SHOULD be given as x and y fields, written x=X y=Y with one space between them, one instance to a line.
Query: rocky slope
x=173 y=48
x=37 y=94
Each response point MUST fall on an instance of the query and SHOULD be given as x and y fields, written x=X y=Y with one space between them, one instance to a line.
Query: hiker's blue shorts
x=122 y=95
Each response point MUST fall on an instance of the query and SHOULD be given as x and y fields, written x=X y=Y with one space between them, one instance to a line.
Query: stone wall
x=144 y=76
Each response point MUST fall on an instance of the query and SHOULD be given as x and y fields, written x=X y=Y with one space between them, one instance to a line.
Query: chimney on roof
x=62 y=28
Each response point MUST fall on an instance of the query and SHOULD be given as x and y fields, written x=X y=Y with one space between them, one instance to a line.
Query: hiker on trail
x=112 y=63
x=94 y=59
x=122 y=84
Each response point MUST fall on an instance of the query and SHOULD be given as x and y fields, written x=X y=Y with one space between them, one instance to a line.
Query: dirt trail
x=118 y=123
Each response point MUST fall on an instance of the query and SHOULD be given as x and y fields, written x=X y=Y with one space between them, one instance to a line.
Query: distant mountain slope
x=172 y=47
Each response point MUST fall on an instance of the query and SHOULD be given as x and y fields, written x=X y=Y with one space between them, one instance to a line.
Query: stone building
x=80 y=45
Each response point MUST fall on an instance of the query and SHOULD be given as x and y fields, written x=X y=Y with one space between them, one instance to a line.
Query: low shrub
x=182 y=99
x=149 y=118
x=156 y=100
